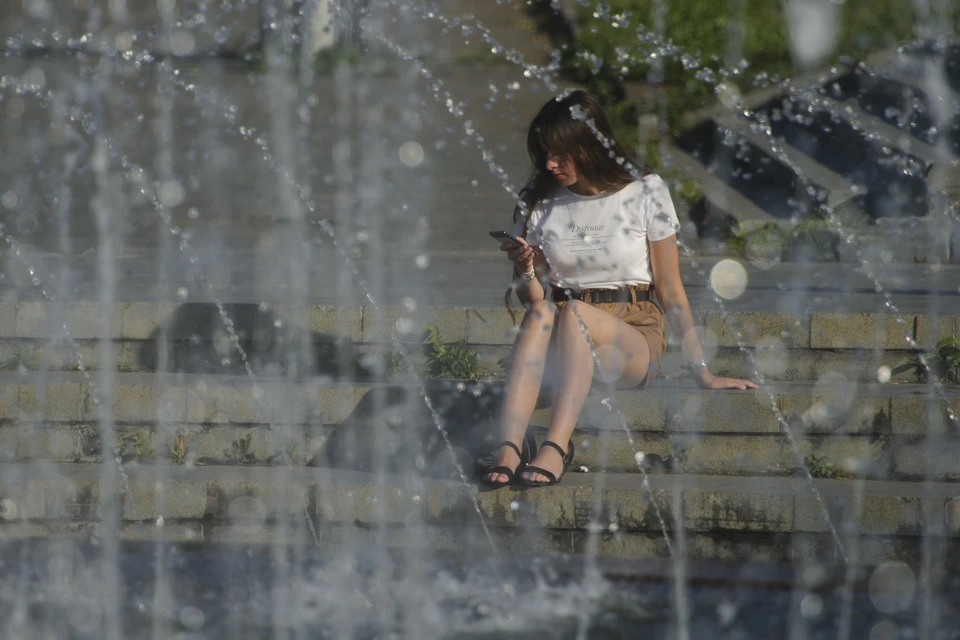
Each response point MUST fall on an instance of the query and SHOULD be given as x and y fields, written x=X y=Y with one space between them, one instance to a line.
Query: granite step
x=722 y=516
x=837 y=426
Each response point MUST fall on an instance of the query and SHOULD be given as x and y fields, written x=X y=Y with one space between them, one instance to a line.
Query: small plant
x=178 y=447
x=823 y=468
x=677 y=451
x=128 y=367
x=455 y=360
x=943 y=363
x=134 y=446
x=241 y=450
x=392 y=363
x=791 y=374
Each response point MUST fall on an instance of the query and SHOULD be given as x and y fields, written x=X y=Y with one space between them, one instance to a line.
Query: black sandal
x=551 y=479
x=526 y=455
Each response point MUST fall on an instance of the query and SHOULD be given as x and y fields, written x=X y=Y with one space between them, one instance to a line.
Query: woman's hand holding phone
x=522 y=255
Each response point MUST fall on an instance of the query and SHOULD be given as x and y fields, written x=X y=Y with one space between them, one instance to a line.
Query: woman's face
x=562 y=167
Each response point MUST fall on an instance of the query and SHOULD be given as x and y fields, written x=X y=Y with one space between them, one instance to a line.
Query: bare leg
x=523 y=380
x=575 y=363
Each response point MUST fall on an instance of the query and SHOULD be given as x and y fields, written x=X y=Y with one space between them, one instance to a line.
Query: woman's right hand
x=521 y=256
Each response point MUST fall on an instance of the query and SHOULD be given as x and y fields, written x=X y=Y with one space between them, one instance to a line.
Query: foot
x=548 y=459
x=507 y=458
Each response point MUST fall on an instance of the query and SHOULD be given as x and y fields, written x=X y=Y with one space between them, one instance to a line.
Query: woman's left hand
x=710 y=381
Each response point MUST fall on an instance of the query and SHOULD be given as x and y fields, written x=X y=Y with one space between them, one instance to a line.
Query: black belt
x=629 y=294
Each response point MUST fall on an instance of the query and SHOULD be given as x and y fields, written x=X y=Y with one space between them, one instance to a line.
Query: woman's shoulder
x=650 y=182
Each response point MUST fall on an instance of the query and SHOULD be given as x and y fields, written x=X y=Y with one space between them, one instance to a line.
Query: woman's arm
x=527 y=260
x=666 y=275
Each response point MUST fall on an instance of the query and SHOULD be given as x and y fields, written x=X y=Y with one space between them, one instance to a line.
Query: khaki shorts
x=647 y=318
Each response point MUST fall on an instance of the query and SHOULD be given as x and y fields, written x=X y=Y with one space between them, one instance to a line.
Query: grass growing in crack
x=134 y=446
x=823 y=468
x=240 y=450
x=943 y=363
x=677 y=451
x=178 y=447
x=455 y=360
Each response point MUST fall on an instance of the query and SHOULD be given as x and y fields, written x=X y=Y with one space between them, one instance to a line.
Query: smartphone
x=505 y=238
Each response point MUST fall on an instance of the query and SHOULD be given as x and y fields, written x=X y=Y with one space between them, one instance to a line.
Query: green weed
x=240 y=450
x=134 y=446
x=822 y=468
x=943 y=363
x=454 y=360
x=677 y=450
x=178 y=447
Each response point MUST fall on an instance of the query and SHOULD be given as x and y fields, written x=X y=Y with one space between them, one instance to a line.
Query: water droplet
x=475 y=182
x=171 y=193
x=883 y=374
x=159 y=521
x=9 y=199
x=728 y=279
x=514 y=505
x=638 y=458
x=411 y=153
x=182 y=293
x=193 y=213
x=404 y=325
x=811 y=606
x=422 y=261
x=891 y=587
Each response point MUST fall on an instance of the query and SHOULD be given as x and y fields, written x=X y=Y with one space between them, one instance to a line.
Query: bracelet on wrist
x=530 y=275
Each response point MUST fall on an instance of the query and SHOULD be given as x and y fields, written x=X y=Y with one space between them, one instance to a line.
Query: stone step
x=813 y=321
x=836 y=426
x=246 y=504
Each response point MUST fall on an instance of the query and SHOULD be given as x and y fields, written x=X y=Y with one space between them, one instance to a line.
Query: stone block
x=133 y=403
x=933 y=329
x=643 y=410
x=935 y=459
x=53 y=442
x=625 y=510
x=55 y=402
x=79 y=499
x=366 y=502
x=335 y=405
x=862 y=331
x=46 y=319
x=140 y=320
x=8 y=320
x=722 y=412
x=453 y=503
x=629 y=544
x=174 y=499
x=921 y=415
x=891 y=516
x=765 y=512
x=9 y=400
x=765 y=329
x=240 y=404
x=346 y=322
x=734 y=455
x=492 y=326
x=553 y=509
x=845 y=412
x=9 y=434
x=386 y=323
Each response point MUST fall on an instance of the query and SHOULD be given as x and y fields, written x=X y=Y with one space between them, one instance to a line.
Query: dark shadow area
x=392 y=429
x=198 y=341
x=769 y=184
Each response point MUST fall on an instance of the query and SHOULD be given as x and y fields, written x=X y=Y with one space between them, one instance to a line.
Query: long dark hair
x=573 y=125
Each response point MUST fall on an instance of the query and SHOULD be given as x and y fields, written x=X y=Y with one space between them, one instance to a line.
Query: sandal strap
x=507 y=471
x=530 y=468
x=550 y=443
x=507 y=443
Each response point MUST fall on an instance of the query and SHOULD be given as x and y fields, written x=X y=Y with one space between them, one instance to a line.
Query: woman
x=595 y=239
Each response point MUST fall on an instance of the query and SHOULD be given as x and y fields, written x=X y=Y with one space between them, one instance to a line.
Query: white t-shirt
x=600 y=242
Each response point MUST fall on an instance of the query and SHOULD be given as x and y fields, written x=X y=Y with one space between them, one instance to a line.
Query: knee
x=540 y=315
x=571 y=311
x=541 y=311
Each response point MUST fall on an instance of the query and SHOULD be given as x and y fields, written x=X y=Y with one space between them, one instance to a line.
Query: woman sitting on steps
x=596 y=240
